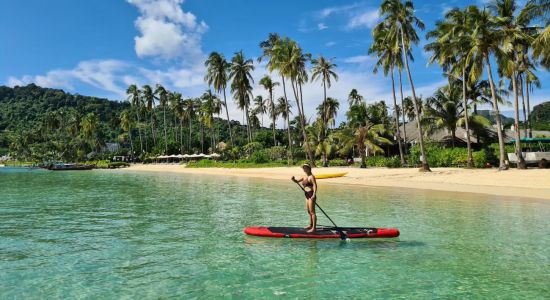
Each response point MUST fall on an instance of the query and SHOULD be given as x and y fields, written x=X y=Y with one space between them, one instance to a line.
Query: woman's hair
x=306 y=166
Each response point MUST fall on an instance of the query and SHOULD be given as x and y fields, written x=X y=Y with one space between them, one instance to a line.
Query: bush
x=259 y=157
x=381 y=161
x=338 y=162
x=119 y=164
x=277 y=153
x=439 y=156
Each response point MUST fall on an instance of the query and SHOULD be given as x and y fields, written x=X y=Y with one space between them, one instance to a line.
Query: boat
x=330 y=175
x=69 y=167
x=322 y=232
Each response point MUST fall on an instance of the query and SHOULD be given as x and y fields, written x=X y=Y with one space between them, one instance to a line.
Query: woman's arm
x=297 y=180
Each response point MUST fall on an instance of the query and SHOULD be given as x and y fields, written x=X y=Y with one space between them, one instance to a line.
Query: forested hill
x=27 y=111
x=541 y=116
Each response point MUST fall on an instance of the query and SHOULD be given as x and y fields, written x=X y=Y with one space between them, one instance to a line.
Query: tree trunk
x=190 y=133
x=272 y=115
x=248 y=130
x=139 y=132
x=396 y=113
x=290 y=156
x=520 y=78
x=202 y=137
x=131 y=142
x=528 y=107
x=425 y=166
x=502 y=154
x=181 y=135
x=228 y=121
x=521 y=162
x=403 y=114
x=303 y=121
x=165 y=134
x=470 y=163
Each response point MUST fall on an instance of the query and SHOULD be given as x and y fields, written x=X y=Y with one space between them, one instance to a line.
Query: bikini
x=307 y=184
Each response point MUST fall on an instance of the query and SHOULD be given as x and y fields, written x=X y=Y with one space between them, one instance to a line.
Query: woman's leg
x=312 y=215
x=309 y=214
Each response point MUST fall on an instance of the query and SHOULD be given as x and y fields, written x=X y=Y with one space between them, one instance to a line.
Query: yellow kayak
x=333 y=175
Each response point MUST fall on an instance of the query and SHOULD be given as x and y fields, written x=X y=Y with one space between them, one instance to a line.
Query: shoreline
x=531 y=183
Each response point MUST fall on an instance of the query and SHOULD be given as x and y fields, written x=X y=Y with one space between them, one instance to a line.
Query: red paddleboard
x=322 y=232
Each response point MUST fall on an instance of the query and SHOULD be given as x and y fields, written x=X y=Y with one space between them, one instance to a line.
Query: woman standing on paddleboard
x=310 y=188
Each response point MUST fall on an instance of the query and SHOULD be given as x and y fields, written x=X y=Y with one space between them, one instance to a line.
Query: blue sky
x=98 y=48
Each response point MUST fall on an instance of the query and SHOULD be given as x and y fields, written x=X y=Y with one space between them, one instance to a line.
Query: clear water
x=105 y=234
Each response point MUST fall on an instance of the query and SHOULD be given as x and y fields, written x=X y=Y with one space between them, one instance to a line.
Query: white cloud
x=166 y=31
x=322 y=26
x=357 y=59
x=330 y=43
x=367 y=19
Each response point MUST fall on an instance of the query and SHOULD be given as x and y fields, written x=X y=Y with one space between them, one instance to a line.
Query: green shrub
x=439 y=156
x=381 y=161
x=338 y=162
x=118 y=164
x=277 y=153
x=259 y=157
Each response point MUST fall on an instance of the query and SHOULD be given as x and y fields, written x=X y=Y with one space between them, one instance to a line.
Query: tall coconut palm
x=269 y=85
x=386 y=47
x=161 y=94
x=484 y=41
x=283 y=109
x=328 y=110
x=89 y=129
x=292 y=61
x=136 y=102
x=210 y=105
x=448 y=50
x=274 y=63
x=324 y=69
x=260 y=107
x=241 y=85
x=217 y=77
x=176 y=101
x=190 y=106
x=516 y=34
x=400 y=19
x=126 y=125
x=149 y=99
x=354 y=98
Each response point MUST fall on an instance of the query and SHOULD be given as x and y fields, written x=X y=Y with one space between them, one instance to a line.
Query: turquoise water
x=113 y=234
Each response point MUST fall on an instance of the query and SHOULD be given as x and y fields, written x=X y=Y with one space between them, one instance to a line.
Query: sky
x=98 y=48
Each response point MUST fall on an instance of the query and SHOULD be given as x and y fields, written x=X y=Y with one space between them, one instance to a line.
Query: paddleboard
x=330 y=175
x=321 y=232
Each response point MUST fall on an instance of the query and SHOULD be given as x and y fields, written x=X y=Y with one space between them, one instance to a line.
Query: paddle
x=343 y=235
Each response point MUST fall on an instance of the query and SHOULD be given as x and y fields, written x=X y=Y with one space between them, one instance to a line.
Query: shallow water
x=113 y=234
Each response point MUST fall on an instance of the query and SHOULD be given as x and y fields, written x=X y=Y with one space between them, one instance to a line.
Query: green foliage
x=259 y=157
x=439 y=156
x=540 y=117
x=205 y=163
x=337 y=162
x=382 y=161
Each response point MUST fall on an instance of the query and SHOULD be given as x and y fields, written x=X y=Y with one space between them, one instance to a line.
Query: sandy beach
x=532 y=183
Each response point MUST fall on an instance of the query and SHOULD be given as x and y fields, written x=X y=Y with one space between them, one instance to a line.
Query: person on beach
x=310 y=188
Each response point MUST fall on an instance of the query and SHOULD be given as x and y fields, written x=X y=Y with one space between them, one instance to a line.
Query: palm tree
x=386 y=46
x=161 y=94
x=149 y=99
x=179 y=113
x=400 y=19
x=260 y=107
x=89 y=129
x=354 y=98
x=190 y=109
x=137 y=104
x=324 y=69
x=269 y=85
x=241 y=85
x=293 y=61
x=485 y=40
x=274 y=57
x=283 y=109
x=448 y=49
x=126 y=125
x=217 y=76
x=361 y=133
x=443 y=110
x=210 y=105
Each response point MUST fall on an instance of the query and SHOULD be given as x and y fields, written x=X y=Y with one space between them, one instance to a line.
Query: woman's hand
x=293 y=179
